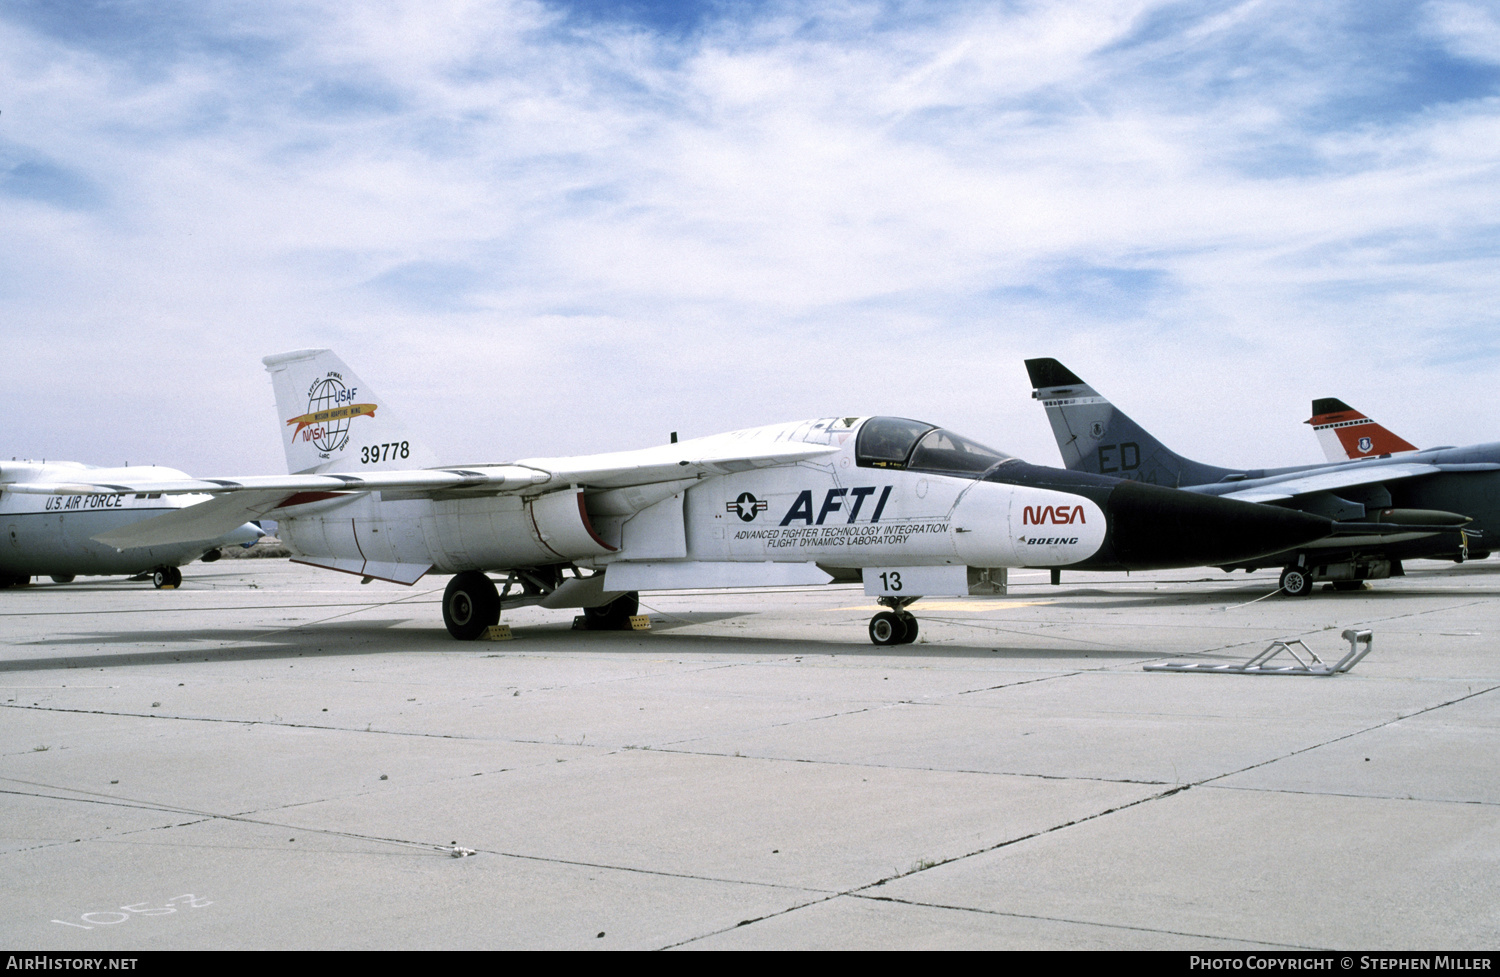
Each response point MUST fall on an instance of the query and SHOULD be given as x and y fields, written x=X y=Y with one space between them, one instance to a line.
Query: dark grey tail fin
x=1095 y=436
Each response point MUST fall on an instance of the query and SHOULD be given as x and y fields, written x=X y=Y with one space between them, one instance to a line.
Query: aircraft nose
x=1159 y=528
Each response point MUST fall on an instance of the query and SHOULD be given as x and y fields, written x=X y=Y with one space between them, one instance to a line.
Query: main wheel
x=614 y=616
x=62 y=578
x=910 y=621
x=176 y=576
x=1296 y=582
x=887 y=629
x=470 y=604
x=13 y=580
x=161 y=578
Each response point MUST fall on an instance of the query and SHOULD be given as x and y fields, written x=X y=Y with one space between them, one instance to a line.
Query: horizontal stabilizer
x=204 y=522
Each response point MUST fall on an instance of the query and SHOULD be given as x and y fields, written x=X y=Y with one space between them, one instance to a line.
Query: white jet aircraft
x=53 y=536
x=909 y=508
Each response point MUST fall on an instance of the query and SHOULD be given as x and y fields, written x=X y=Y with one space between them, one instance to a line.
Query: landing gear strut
x=166 y=578
x=896 y=626
x=470 y=605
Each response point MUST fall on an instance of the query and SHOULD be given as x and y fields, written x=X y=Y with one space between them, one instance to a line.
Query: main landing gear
x=166 y=578
x=471 y=604
x=897 y=626
x=614 y=616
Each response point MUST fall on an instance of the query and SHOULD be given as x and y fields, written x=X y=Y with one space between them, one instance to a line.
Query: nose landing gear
x=897 y=626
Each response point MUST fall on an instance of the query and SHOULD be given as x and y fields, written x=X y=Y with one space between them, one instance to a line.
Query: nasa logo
x=330 y=408
x=1057 y=515
x=1365 y=444
x=747 y=507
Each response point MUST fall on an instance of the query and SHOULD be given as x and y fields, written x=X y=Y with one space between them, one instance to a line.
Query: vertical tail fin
x=1346 y=434
x=333 y=422
x=1095 y=436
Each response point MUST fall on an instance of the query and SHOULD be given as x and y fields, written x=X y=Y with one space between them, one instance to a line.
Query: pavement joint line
x=636 y=869
x=1078 y=922
x=206 y=816
x=281 y=724
x=94 y=797
x=858 y=890
x=1029 y=681
x=1340 y=793
x=1422 y=613
x=1207 y=781
x=1028 y=774
x=752 y=921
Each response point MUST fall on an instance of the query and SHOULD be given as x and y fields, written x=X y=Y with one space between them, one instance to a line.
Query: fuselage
x=53 y=534
x=1469 y=484
x=893 y=493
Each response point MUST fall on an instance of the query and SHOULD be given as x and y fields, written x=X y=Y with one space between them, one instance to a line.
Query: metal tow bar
x=1360 y=643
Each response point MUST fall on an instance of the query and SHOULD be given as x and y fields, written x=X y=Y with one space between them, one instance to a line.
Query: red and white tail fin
x=1346 y=434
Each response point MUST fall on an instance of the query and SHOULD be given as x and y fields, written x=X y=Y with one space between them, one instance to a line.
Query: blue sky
x=548 y=228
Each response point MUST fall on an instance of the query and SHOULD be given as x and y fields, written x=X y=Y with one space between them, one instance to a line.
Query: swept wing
x=249 y=497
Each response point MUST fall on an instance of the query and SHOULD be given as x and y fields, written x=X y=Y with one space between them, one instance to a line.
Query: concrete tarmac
x=278 y=757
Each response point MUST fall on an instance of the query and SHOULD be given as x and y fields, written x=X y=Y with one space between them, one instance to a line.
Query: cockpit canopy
x=899 y=442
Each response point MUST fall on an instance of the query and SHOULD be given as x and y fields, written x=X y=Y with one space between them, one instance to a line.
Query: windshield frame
x=887 y=442
x=958 y=456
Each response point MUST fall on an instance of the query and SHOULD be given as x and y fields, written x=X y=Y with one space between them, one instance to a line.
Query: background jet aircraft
x=53 y=535
x=908 y=507
x=1346 y=434
x=1421 y=504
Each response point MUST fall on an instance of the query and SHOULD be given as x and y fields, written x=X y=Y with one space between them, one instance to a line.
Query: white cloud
x=1470 y=30
x=542 y=234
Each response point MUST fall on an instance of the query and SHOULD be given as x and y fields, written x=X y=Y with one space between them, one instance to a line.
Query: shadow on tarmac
x=379 y=638
x=329 y=640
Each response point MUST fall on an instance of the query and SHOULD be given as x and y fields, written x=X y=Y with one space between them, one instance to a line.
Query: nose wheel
x=896 y=626
x=1296 y=582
